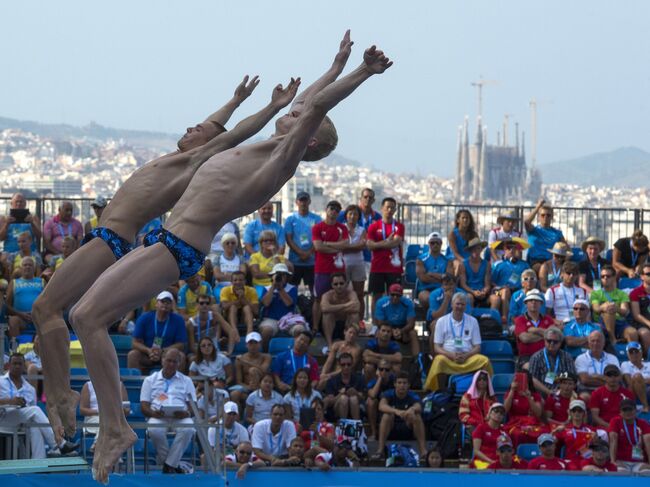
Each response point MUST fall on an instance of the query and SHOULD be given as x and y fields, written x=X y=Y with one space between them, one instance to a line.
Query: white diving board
x=45 y=465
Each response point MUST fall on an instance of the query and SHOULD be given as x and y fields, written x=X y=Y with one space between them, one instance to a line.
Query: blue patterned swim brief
x=189 y=259
x=117 y=244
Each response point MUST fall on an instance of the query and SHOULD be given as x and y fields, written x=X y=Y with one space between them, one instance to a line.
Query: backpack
x=454 y=441
x=490 y=328
x=352 y=429
x=418 y=370
x=439 y=419
x=435 y=404
x=400 y=455
x=304 y=304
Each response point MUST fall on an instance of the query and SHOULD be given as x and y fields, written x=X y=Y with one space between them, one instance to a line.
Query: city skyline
x=162 y=67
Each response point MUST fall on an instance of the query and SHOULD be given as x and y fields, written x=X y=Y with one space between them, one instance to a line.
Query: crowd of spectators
x=310 y=277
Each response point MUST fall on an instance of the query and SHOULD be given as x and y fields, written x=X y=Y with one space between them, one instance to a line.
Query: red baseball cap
x=395 y=289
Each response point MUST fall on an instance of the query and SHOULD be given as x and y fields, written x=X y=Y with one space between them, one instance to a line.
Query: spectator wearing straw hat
x=590 y=268
x=506 y=229
x=475 y=276
x=542 y=236
x=550 y=272
x=430 y=268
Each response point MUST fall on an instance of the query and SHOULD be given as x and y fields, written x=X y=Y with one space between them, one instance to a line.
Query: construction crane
x=533 y=127
x=479 y=85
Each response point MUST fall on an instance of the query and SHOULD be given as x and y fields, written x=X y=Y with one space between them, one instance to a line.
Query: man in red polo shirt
x=385 y=238
x=330 y=238
x=629 y=439
x=547 y=460
x=529 y=327
x=599 y=460
x=606 y=400
x=506 y=458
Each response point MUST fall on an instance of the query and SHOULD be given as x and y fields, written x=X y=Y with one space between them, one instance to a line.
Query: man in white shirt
x=271 y=437
x=18 y=406
x=457 y=345
x=590 y=365
x=233 y=432
x=164 y=399
x=560 y=298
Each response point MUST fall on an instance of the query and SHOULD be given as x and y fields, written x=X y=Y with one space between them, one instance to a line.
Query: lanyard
x=556 y=271
x=462 y=327
x=383 y=229
x=627 y=433
x=548 y=364
x=63 y=234
x=198 y=328
x=581 y=430
x=367 y=221
x=635 y=256
x=593 y=276
x=608 y=296
x=602 y=364
x=293 y=361
x=12 y=388
x=156 y=328
x=279 y=445
x=168 y=383
x=566 y=300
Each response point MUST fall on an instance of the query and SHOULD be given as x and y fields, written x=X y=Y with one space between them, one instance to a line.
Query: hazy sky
x=162 y=65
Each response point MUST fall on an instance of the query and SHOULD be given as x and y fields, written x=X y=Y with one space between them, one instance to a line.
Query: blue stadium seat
x=409 y=274
x=628 y=283
x=240 y=347
x=78 y=371
x=25 y=338
x=608 y=255
x=486 y=312
x=528 y=451
x=460 y=383
x=621 y=354
x=503 y=366
x=413 y=250
x=280 y=344
x=122 y=343
x=136 y=412
x=578 y=254
x=125 y=371
x=501 y=382
x=497 y=349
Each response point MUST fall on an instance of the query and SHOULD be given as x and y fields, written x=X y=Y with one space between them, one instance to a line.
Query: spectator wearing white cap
x=430 y=267
x=636 y=373
x=576 y=435
x=505 y=229
x=155 y=332
x=591 y=364
x=250 y=367
x=579 y=328
x=98 y=205
x=232 y=432
x=517 y=306
x=547 y=459
x=530 y=326
x=279 y=300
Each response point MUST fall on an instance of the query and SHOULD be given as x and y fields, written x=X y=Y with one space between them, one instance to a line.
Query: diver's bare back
x=230 y=184
x=148 y=193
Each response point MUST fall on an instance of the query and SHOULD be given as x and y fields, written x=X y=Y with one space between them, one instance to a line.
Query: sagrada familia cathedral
x=493 y=172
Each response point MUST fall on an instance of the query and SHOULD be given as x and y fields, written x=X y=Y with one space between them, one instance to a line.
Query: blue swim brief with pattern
x=189 y=259
x=117 y=244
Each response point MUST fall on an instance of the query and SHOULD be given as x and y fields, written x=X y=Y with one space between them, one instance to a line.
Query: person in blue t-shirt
x=543 y=236
x=517 y=306
x=576 y=331
x=155 y=332
x=506 y=273
x=399 y=312
x=278 y=300
x=297 y=232
x=254 y=228
x=430 y=267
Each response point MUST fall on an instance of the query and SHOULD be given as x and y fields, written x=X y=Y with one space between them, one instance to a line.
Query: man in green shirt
x=611 y=306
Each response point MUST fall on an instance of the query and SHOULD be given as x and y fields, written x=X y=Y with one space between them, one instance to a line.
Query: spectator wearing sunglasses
x=605 y=401
x=550 y=361
x=577 y=331
x=636 y=374
x=611 y=306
